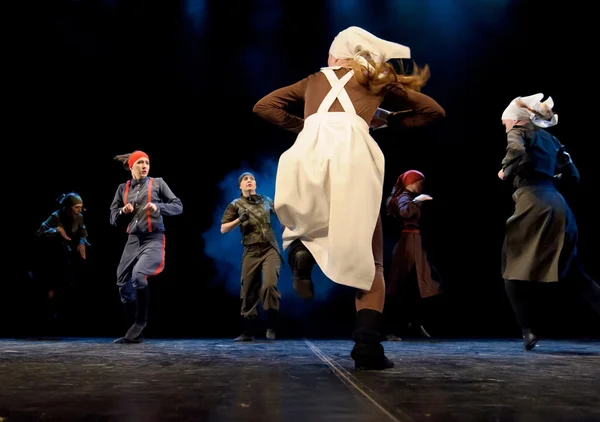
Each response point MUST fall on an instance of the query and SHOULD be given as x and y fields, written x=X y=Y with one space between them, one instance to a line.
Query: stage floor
x=92 y=379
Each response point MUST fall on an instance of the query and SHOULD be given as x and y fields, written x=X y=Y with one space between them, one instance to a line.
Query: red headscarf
x=136 y=155
x=407 y=178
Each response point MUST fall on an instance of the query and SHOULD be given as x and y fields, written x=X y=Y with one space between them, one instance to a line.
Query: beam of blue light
x=196 y=11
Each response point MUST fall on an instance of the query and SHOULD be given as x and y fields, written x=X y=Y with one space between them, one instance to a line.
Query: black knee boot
x=302 y=262
x=134 y=334
x=128 y=314
x=368 y=351
x=518 y=294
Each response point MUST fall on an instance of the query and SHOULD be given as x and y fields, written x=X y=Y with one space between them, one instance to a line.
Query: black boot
x=271 y=323
x=129 y=311
x=529 y=340
x=302 y=262
x=134 y=334
x=368 y=352
x=248 y=333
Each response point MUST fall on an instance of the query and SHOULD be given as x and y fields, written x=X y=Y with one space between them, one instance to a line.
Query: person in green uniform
x=251 y=212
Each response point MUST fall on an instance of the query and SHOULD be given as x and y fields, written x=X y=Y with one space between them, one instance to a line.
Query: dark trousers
x=521 y=294
x=260 y=273
x=143 y=256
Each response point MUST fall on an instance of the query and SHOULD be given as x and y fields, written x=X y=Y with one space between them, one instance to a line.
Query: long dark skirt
x=541 y=236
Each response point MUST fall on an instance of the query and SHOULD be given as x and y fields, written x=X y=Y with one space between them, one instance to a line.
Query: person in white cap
x=541 y=235
x=329 y=184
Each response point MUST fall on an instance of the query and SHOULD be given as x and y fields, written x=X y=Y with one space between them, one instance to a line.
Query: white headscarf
x=353 y=42
x=533 y=102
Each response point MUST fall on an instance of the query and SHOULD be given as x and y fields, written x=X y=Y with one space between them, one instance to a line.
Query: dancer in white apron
x=329 y=188
x=329 y=183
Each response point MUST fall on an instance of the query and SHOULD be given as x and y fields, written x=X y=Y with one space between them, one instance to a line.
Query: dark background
x=178 y=79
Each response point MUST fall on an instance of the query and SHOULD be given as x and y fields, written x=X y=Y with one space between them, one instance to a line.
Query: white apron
x=329 y=188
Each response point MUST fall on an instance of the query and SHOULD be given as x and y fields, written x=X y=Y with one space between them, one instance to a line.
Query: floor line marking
x=348 y=377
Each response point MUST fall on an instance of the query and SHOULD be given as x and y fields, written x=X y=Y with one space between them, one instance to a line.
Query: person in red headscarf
x=411 y=277
x=141 y=203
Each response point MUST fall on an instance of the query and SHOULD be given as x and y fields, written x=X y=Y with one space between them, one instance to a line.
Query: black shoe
x=370 y=357
x=529 y=340
x=302 y=263
x=368 y=353
x=124 y=340
x=243 y=337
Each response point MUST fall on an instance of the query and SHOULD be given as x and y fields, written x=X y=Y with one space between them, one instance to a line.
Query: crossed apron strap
x=337 y=92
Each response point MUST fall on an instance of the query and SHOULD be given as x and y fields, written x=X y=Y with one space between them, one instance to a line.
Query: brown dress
x=409 y=254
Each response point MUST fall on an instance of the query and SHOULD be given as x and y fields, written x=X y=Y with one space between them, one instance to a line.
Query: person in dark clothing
x=412 y=277
x=541 y=235
x=141 y=203
x=60 y=248
x=252 y=212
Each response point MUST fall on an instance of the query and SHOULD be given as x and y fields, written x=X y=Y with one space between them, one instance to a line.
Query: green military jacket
x=257 y=229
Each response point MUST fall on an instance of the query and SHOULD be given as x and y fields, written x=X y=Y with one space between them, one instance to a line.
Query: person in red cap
x=409 y=258
x=141 y=203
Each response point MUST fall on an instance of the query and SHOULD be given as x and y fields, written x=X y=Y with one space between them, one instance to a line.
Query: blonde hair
x=381 y=75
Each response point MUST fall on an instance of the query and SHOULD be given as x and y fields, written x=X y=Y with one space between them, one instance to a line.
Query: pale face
x=248 y=185
x=140 y=168
x=75 y=210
